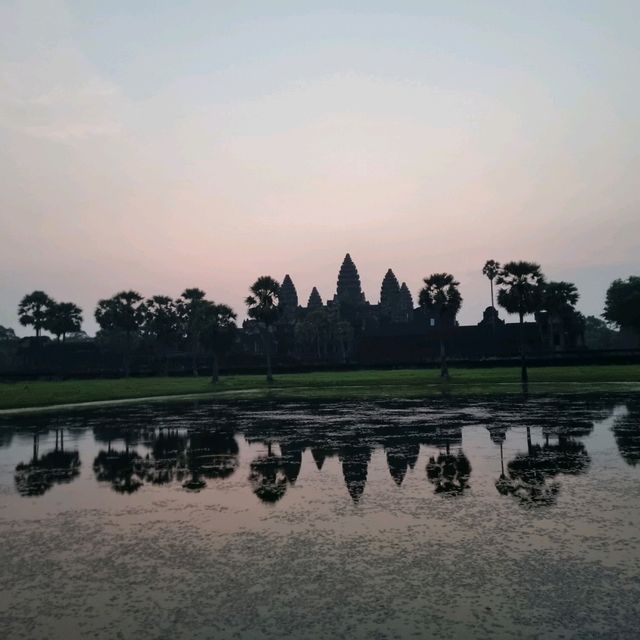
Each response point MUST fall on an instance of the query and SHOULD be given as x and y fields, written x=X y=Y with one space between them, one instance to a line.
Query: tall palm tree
x=491 y=269
x=220 y=332
x=122 y=315
x=263 y=306
x=521 y=285
x=192 y=307
x=32 y=310
x=162 y=326
x=440 y=295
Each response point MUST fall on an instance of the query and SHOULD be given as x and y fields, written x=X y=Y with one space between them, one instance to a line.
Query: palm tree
x=491 y=269
x=63 y=318
x=219 y=333
x=440 y=295
x=522 y=283
x=162 y=325
x=122 y=315
x=263 y=306
x=192 y=307
x=32 y=310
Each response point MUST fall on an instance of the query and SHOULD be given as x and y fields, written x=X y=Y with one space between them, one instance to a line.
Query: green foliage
x=32 y=310
x=63 y=318
x=622 y=304
x=219 y=327
x=597 y=335
x=441 y=295
x=491 y=269
x=559 y=298
x=123 y=312
x=161 y=320
x=263 y=303
x=521 y=285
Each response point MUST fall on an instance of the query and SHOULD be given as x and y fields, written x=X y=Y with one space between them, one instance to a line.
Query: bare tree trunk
x=266 y=340
x=491 y=281
x=215 y=369
x=444 y=369
x=524 y=374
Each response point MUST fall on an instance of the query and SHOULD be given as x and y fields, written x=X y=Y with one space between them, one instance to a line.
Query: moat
x=448 y=517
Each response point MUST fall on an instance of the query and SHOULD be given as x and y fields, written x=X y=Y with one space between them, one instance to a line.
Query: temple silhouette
x=348 y=328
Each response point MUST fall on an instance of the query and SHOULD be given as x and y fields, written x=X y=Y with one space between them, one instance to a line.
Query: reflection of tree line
x=43 y=471
x=193 y=457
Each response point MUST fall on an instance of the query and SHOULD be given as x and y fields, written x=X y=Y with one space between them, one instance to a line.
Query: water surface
x=455 y=518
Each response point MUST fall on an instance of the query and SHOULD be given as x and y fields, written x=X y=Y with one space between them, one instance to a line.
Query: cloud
x=48 y=88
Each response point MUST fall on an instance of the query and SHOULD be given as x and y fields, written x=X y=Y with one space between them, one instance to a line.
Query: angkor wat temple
x=349 y=328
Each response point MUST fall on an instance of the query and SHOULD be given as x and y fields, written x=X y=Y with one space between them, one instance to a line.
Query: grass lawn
x=345 y=384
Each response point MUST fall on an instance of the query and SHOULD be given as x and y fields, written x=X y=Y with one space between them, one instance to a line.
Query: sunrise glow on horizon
x=161 y=146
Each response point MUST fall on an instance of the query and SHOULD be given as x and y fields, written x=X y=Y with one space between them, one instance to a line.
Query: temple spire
x=348 y=287
x=288 y=296
x=389 y=293
x=315 y=301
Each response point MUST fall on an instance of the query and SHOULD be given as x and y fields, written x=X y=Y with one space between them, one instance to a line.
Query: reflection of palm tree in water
x=54 y=467
x=211 y=454
x=267 y=477
x=528 y=473
x=166 y=452
x=626 y=431
x=449 y=473
x=124 y=470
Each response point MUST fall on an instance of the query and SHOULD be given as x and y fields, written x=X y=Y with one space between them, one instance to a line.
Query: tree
x=597 y=335
x=122 y=316
x=32 y=310
x=263 y=306
x=622 y=304
x=219 y=334
x=192 y=308
x=62 y=318
x=440 y=294
x=559 y=300
x=521 y=293
x=161 y=323
x=491 y=269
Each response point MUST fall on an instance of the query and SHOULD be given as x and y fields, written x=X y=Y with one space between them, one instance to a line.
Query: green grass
x=346 y=384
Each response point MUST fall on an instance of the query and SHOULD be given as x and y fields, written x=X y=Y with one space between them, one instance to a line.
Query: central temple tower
x=349 y=290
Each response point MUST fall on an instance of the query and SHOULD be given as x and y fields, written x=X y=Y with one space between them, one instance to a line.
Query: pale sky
x=162 y=145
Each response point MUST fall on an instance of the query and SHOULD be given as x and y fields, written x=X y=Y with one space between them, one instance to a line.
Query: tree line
x=194 y=321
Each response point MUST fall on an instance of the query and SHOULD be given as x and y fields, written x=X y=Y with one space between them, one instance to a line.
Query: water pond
x=447 y=517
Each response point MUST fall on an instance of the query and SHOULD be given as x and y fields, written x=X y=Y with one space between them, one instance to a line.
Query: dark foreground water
x=444 y=518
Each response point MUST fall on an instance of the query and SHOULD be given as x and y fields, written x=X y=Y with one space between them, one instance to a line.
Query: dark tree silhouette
x=63 y=318
x=267 y=477
x=32 y=310
x=263 y=306
x=491 y=270
x=58 y=466
x=161 y=323
x=626 y=430
x=192 y=308
x=120 y=318
x=219 y=334
x=441 y=295
x=559 y=300
x=622 y=304
x=521 y=292
x=449 y=473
